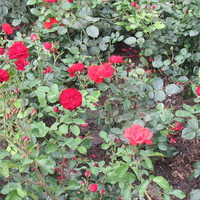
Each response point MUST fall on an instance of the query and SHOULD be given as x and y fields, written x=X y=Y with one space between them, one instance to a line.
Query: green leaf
x=4 y=171
x=21 y=193
x=188 y=134
x=104 y=136
x=163 y=146
x=105 y=146
x=157 y=63
x=63 y=128
x=47 y=164
x=173 y=89
x=79 y=121
x=148 y=52
x=193 y=33
x=162 y=182
x=147 y=164
x=16 y=22
x=31 y=2
x=126 y=192
x=141 y=41
x=3 y=154
x=62 y=30
x=195 y=194
x=73 y=185
x=35 y=12
x=92 y=31
x=158 y=83
x=178 y=193
x=193 y=124
x=75 y=129
x=82 y=149
x=130 y=40
x=51 y=148
x=159 y=25
x=143 y=186
x=120 y=171
x=13 y=196
x=182 y=113
x=160 y=95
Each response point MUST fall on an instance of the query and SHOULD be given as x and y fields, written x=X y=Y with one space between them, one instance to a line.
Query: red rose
x=47 y=45
x=48 y=25
x=2 y=51
x=153 y=7
x=107 y=71
x=177 y=126
x=21 y=64
x=94 y=75
x=70 y=1
x=93 y=187
x=198 y=90
x=98 y=73
x=4 y=76
x=138 y=135
x=134 y=4
x=18 y=50
x=77 y=67
x=71 y=98
x=7 y=28
x=116 y=59
x=50 y=1
x=48 y=70
x=34 y=37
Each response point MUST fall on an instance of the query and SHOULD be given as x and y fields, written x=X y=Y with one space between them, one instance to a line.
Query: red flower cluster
x=198 y=90
x=4 y=76
x=48 y=25
x=98 y=73
x=19 y=51
x=7 y=28
x=48 y=70
x=50 y=1
x=138 y=135
x=93 y=187
x=177 y=126
x=76 y=67
x=71 y=98
x=116 y=59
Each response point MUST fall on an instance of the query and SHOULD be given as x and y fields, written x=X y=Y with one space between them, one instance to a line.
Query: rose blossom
x=48 y=70
x=70 y=98
x=70 y=1
x=134 y=4
x=98 y=73
x=116 y=59
x=4 y=76
x=87 y=173
x=7 y=28
x=76 y=67
x=34 y=37
x=198 y=90
x=21 y=64
x=102 y=192
x=48 y=25
x=138 y=135
x=18 y=50
x=93 y=187
x=2 y=51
